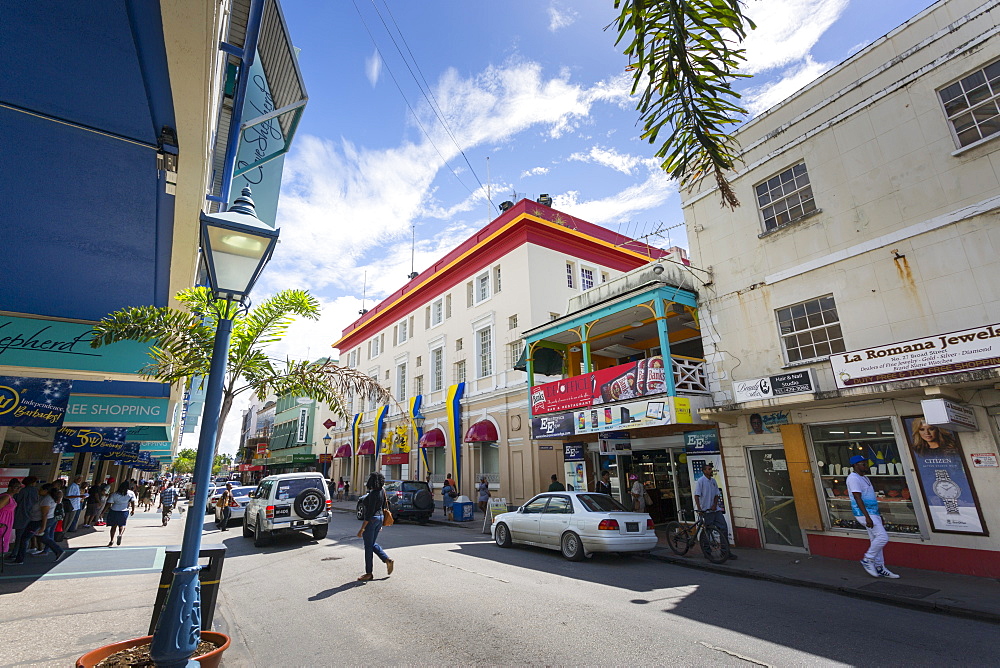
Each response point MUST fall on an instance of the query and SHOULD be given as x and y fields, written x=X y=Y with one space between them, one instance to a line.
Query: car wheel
x=678 y=538
x=572 y=548
x=361 y=511
x=246 y=529
x=259 y=537
x=320 y=531
x=502 y=536
x=309 y=503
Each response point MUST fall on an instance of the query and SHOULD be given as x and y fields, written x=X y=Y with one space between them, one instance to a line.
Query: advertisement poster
x=949 y=496
x=89 y=439
x=634 y=415
x=8 y=474
x=696 y=464
x=33 y=402
x=552 y=426
x=626 y=381
x=768 y=423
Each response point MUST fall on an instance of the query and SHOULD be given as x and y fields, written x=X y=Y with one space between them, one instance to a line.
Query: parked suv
x=408 y=499
x=288 y=502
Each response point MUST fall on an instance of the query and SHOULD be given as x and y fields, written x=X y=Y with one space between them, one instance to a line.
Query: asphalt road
x=456 y=598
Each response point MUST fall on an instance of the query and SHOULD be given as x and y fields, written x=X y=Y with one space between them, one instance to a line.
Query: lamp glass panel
x=236 y=256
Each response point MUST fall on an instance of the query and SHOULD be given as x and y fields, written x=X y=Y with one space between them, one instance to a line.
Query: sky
x=418 y=108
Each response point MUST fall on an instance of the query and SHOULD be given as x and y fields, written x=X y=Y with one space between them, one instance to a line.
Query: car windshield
x=601 y=503
x=243 y=491
x=414 y=486
x=289 y=489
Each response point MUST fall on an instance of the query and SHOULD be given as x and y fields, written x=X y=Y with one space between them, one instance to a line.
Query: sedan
x=576 y=523
x=242 y=496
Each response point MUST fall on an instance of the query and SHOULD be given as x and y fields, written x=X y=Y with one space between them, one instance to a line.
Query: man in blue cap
x=864 y=503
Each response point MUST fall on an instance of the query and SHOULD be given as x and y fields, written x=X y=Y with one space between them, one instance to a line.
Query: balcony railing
x=689 y=375
x=492 y=478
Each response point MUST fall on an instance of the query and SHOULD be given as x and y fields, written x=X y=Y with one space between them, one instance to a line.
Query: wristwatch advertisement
x=947 y=490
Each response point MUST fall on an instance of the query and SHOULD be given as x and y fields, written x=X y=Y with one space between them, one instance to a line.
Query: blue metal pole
x=179 y=629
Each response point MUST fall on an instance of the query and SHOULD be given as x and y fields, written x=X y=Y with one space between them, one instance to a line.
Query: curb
x=888 y=599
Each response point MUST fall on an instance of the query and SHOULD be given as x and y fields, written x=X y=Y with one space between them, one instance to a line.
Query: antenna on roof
x=364 y=292
x=489 y=195
x=413 y=251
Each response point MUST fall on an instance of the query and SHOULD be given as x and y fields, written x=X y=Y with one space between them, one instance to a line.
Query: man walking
x=223 y=504
x=555 y=485
x=74 y=494
x=168 y=498
x=864 y=503
x=708 y=499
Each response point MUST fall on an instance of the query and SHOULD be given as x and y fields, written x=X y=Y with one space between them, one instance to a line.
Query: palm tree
x=182 y=351
x=684 y=55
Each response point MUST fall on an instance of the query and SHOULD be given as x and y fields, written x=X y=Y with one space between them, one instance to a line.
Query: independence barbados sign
x=33 y=402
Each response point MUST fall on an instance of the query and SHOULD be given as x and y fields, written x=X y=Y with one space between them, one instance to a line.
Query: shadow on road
x=327 y=593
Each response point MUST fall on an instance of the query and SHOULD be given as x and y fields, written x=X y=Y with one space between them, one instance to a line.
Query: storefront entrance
x=779 y=522
x=665 y=476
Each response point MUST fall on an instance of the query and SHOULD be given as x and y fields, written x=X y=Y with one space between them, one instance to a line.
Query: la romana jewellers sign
x=966 y=350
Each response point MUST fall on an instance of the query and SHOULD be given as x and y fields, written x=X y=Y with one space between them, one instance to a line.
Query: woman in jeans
x=374 y=506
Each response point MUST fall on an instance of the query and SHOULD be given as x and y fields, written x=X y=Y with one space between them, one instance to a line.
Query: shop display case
x=835 y=444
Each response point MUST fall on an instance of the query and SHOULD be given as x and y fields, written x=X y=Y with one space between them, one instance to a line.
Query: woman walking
x=7 y=507
x=120 y=503
x=40 y=517
x=375 y=505
x=340 y=489
x=484 y=495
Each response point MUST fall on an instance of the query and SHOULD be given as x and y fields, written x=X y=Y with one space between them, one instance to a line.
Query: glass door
x=779 y=522
x=683 y=495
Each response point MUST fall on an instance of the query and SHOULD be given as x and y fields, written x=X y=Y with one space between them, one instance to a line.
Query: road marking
x=734 y=654
x=459 y=568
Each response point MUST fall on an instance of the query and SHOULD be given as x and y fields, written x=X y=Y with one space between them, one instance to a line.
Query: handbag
x=387 y=520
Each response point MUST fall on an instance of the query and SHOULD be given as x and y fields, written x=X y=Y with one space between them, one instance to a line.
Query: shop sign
x=89 y=439
x=949 y=415
x=615 y=446
x=261 y=448
x=397 y=458
x=303 y=459
x=573 y=452
x=33 y=402
x=150 y=433
x=552 y=426
x=634 y=415
x=642 y=378
x=329 y=424
x=303 y=425
x=950 y=498
x=325 y=458
x=701 y=442
x=132 y=410
x=984 y=460
x=965 y=350
x=53 y=344
x=768 y=423
x=782 y=384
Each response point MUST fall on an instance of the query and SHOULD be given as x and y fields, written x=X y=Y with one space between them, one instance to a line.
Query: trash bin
x=462 y=512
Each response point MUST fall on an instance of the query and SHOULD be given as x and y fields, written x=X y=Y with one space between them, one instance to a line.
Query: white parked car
x=213 y=496
x=242 y=496
x=288 y=502
x=576 y=523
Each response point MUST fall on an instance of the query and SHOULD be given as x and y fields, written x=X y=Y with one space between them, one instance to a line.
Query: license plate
x=283 y=511
x=632 y=527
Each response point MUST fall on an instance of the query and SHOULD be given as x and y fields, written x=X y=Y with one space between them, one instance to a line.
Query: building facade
x=852 y=304
x=447 y=343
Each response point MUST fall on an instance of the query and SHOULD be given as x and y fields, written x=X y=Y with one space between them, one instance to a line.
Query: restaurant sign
x=626 y=381
x=623 y=416
x=966 y=350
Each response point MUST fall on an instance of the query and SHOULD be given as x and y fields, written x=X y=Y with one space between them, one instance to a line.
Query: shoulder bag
x=387 y=520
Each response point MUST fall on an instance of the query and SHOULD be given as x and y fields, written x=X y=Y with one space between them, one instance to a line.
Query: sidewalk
x=958 y=595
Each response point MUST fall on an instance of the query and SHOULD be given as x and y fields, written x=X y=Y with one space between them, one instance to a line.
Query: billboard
x=626 y=381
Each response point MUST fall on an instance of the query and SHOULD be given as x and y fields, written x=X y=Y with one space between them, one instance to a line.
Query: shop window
x=810 y=330
x=785 y=198
x=835 y=444
x=971 y=105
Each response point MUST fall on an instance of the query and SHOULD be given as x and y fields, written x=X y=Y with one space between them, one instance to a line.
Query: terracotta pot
x=210 y=660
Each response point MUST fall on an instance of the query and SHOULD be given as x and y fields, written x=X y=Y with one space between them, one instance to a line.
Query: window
x=402 y=332
x=374 y=348
x=484 y=352
x=418 y=386
x=437 y=312
x=512 y=322
x=458 y=344
x=514 y=351
x=437 y=369
x=604 y=277
x=419 y=361
x=387 y=374
x=835 y=444
x=482 y=288
x=810 y=330
x=470 y=295
x=496 y=279
x=447 y=306
x=785 y=198
x=427 y=318
x=401 y=381
x=535 y=507
x=559 y=505
x=586 y=278
x=460 y=372
x=971 y=105
x=570 y=275
x=371 y=402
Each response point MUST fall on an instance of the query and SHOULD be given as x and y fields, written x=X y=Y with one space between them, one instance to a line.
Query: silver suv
x=288 y=502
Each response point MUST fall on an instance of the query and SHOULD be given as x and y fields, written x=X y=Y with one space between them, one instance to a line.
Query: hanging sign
x=573 y=452
x=949 y=415
x=626 y=381
x=552 y=426
x=701 y=442
x=90 y=439
x=33 y=402
x=54 y=344
x=303 y=426
x=795 y=382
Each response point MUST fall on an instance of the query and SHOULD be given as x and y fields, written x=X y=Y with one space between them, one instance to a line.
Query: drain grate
x=895 y=589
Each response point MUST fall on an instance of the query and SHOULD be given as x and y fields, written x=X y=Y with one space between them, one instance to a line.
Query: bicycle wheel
x=678 y=538
x=715 y=545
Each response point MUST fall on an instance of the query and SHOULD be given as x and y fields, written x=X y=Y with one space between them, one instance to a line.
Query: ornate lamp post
x=326 y=451
x=235 y=247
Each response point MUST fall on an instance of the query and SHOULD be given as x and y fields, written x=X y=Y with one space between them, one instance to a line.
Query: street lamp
x=326 y=450
x=235 y=247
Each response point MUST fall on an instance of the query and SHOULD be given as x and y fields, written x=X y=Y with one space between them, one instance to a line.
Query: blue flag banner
x=127 y=453
x=89 y=439
x=33 y=402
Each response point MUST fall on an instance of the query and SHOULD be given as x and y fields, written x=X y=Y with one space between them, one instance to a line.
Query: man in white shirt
x=864 y=503
x=708 y=499
x=74 y=495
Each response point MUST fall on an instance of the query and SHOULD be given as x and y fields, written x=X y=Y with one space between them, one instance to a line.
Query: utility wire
x=407 y=102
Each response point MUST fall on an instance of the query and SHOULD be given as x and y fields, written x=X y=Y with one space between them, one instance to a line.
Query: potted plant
x=210 y=659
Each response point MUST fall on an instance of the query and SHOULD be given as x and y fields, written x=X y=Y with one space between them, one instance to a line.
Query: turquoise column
x=587 y=364
x=661 y=330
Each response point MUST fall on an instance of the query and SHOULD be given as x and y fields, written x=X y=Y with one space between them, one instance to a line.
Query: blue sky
x=536 y=86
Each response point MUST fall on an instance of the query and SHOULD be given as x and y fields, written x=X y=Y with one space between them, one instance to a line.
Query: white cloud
x=534 y=171
x=373 y=68
x=761 y=98
x=609 y=157
x=786 y=31
x=560 y=17
x=622 y=206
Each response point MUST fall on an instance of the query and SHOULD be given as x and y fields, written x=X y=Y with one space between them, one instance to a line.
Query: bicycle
x=714 y=543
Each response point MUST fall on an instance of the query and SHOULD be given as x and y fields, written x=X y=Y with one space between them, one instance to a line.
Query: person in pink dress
x=7 y=507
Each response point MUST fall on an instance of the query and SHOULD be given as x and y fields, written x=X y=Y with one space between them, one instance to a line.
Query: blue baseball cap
x=856 y=459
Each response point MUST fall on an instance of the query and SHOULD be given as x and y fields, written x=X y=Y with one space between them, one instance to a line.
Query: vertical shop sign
x=949 y=495
x=33 y=402
x=303 y=427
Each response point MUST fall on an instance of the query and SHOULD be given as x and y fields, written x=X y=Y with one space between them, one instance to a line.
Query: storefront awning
x=367 y=448
x=432 y=439
x=344 y=451
x=482 y=432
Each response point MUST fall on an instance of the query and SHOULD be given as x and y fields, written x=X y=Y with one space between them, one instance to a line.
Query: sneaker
x=60 y=555
x=884 y=572
x=869 y=567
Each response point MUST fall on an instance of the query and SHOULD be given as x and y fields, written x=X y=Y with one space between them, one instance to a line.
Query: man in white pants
x=864 y=503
